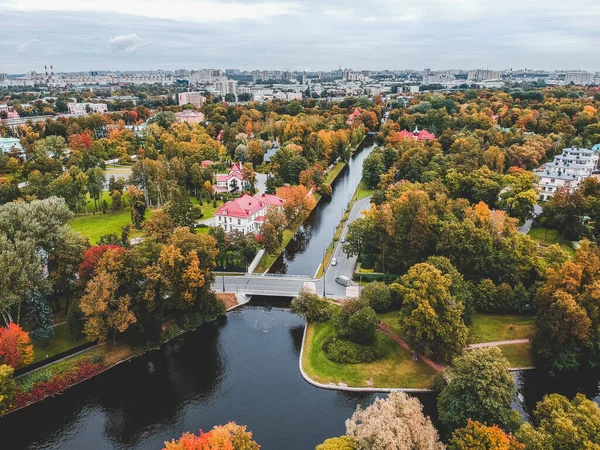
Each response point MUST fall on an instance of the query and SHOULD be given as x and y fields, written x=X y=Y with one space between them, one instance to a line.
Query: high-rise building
x=483 y=75
x=579 y=77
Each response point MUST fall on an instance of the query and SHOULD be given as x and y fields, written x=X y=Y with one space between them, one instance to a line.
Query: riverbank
x=54 y=378
x=268 y=260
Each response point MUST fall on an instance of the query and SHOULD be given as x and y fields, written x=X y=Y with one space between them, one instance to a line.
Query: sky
x=75 y=35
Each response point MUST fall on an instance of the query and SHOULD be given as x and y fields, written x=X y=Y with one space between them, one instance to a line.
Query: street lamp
x=324 y=268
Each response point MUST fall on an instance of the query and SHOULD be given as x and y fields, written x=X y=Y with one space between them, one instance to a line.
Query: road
x=537 y=210
x=345 y=265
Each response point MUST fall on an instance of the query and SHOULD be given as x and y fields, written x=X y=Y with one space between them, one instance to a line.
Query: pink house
x=354 y=115
x=230 y=182
x=246 y=213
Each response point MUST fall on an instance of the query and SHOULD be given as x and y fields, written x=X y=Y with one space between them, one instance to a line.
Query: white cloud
x=129 y=43
x=26 y=46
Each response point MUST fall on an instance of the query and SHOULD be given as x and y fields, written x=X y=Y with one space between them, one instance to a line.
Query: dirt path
x=385 y=330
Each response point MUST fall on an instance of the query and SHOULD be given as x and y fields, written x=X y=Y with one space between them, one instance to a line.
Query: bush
x=75 y=321
x=348 y=352
x=311 y=306
x=377 y=295
x=375 y=276
x=193 y=320
x=8 y=388
x=338 y=443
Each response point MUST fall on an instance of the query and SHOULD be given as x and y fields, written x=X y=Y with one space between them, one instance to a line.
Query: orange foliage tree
x=15 y=346
x=476 y=435
x=297 y=201
x=221 y=437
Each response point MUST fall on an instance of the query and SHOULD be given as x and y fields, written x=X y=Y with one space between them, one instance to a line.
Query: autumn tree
x=395 y=423
x=221 y=437
x=478 y=436
x=138 y=205
x=562 y=424
x=160 y=225
x=337 y=443
x=272 y=230
x=8 y=388
x=312 y=307
x=479 y=387
x=431 y=318
x=297 y=202
x=377 y=295
x=15 y=346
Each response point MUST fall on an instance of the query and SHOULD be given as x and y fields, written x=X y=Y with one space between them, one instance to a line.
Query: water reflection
x=304 y=253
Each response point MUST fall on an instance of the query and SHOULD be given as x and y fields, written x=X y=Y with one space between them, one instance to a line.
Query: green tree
x=431 y=318
x=562 y=424
x=312 y=307
x=373 y=168
x=181 y=210
x=479 y=387
x=272 y=230
x=138 y=206
x=377 y=295
x=356 y=321
x=337 y=443
x=294 y=108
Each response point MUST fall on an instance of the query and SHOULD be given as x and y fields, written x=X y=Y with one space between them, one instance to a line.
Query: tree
x=256 y=152
x=297 y=202
x=395 y=423
x=138 y=205
x=221 y=437
x=249 y=176
x=377 y=295
x=181 y=210
x=562 y=424
x=312 y=307
x=564 y=212
x=294 y=108
x=337 y=443
x=160 y=225
x=373 y=168
x=356 y=321
x=96 y=180
x=8 y=388
x=478 y=436
x=15 y=346
x=272 y=230
x=479 y=387
x=40 y=316
x=431 y=318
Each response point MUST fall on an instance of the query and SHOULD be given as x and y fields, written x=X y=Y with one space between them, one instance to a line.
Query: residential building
x=192 y=98
x=81 y=109
x=579 y=77
x=417 y=135
x=246 y=213
x=189 y=116
x=483 y=75
x=567 y=170
x=11 y=146
x=231 y=182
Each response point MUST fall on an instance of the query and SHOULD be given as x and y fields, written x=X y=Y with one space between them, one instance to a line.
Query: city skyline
x=75 y=35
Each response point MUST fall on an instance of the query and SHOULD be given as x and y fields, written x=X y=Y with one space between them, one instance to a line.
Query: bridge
x=280 y=285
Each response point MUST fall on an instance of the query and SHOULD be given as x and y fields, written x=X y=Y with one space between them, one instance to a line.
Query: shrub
x=8 y=388
x=311 y=306
x=377 y=295
x=337 y=443
x=348 y=352
x=356 y=321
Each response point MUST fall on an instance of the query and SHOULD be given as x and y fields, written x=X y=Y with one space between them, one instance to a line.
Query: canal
x=243 y=368
x=304 y=253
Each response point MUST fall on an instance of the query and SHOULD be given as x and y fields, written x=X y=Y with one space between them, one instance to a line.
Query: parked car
x=343 y=240
x=334 y=261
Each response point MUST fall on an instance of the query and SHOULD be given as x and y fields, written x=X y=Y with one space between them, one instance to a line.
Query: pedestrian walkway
x=497 y=343
x=385 y=330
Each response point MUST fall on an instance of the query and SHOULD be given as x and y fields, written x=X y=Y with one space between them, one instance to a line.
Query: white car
x=334 y=262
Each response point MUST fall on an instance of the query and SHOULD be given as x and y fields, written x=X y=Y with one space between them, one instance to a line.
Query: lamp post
x=324 y=268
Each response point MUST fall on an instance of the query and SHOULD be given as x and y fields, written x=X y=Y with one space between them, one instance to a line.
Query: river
x=304 y=253
x=243 y=368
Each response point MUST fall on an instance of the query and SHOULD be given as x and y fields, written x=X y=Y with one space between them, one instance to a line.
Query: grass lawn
x=547 y=237
x=396 y=369
x=267 y=260
x=518 y=355
x=94 y=226
x=500 y=327
x=362 y=191
x=333 y=173
x=61 y=342
x=207 y=207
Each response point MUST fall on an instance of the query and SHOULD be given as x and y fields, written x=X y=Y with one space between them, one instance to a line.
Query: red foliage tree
x=91 y=258
x=15 y=346
x=80 y=142
x=221 y=437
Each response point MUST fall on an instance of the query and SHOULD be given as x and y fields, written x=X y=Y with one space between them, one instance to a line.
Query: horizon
x=76 y=35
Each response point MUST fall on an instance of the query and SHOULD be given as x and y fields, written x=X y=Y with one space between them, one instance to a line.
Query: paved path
x=385 y=330
x=497 y=343
x=537 y=210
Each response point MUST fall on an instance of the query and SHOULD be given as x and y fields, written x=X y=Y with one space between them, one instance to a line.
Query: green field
x=500 y=327
x=396 y=369
x=61 y=342
x=333 y=173
x=547 y=237
x=362 y=191
x=518 y=355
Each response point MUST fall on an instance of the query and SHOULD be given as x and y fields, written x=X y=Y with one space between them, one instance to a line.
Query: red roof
x=417 y=135
x=246 y=205
x=206 y=163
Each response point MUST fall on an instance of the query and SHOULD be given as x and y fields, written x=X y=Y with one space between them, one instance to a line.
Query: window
x=239 y=222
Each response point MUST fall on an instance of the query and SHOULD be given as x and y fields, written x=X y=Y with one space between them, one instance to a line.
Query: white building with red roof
x=246 y=213
x=189 y=116
x=230 y=182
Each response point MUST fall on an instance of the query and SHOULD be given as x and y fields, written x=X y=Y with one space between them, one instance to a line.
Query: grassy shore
x=61 y=342
x=547 y=237
x=396 y=369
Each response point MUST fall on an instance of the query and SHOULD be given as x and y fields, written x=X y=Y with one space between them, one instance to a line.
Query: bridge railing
x=276 y=275
x=268 y=293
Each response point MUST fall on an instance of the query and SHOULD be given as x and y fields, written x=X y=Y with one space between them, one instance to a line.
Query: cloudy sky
x=298 y=34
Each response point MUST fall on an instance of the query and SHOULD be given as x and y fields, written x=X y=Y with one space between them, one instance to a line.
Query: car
x=334 y=262
x=343 y=240
x=343 y=280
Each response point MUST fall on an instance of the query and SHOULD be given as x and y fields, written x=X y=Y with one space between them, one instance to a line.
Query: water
x=304 y=253
x=243 y=368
